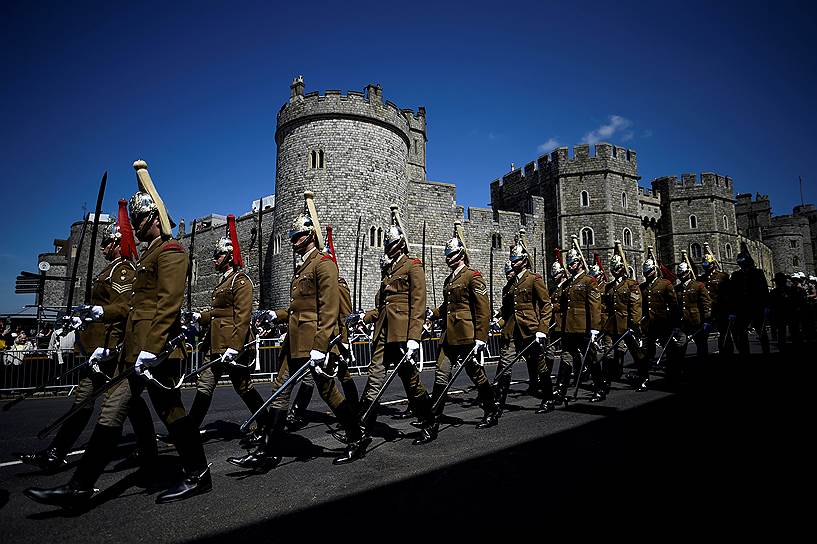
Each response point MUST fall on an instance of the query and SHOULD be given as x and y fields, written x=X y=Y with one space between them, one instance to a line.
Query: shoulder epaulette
x=537 y=276
x=417 y=261
x=477 y=273
x=326 y=258
x=172 y=246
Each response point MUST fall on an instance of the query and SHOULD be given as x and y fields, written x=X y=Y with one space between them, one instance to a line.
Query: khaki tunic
x=314 y=304
x=229 y=318
x=581 y=305
x=694 y=302
x=526 y=307
x=716 y=283
x=623 y=302
x=344 y=308
x=401 y=302
x=464 y=311
x=158 y=292
x=556 y=298
x=112 y=290
x=659 y=304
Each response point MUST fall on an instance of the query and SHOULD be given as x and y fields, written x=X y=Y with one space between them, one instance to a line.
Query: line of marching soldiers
x=133 y=333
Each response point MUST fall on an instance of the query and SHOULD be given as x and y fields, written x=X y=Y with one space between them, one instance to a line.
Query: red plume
x=557 y=251
x=666 y=272
x=237 y=260
x=127 y=245
x=601 y=266
x=330 y=243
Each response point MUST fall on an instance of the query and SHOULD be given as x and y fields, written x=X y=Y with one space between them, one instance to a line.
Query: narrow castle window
x=379 y=237
x=416 y=146
x=795 y=260
x=276 y=245
x=316 y=159
x=725 y=223
x=793 y=244
x=693 y=222
x=729 y=251
x=585 y=199
x=372 y=234
x=587 y=236
x=624 y=200
x=628 y=237
x=313 y=159
x=320 y=158
x=695 y=251
x=496 y=241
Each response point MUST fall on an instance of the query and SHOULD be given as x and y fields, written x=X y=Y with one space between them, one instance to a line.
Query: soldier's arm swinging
x=171 y=274
x=326 y=273
x=480 y=307
x=417 y=302
x=544 y=303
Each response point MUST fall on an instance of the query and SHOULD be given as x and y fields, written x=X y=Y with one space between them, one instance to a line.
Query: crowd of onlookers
x=17 y=341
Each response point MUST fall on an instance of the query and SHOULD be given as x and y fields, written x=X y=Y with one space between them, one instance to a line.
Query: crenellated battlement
x=693 y=185
x=333 y=103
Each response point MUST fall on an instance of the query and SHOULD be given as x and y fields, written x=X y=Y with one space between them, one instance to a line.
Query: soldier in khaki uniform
x=153 y=323
x=112 y=289
x=749 y=301
x=622 y=298
x=581 y=320
x=398 y=320
x=525 y=317
x=312 y=318
x=229 y=322
x=464 y=314
x=660 y=311
x=717 y=284
x=695 y=308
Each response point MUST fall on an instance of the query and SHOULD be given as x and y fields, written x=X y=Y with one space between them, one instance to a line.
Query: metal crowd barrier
x=22 y=371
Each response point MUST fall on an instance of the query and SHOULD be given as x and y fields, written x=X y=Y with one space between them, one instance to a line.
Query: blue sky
x=193 y=88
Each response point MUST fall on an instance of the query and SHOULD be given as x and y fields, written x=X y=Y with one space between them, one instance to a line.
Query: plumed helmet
x=140 y=205
x=302 y=224
x=708 y=261
x=595 y=271
x=517 y=253
x=393 y=236
x=682 y=268
x=616 y=263
x=453 y=249
x=648 y=267
x=508 y=267
x=110 y=234
x=744 y=259
x=223 y=245
x=572 y=257
x=556 y=269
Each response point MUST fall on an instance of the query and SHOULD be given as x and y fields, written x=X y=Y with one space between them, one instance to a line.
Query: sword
x=89 y=278
x=581 y=369
x=464 y=361
x=521 y=353
x=164 y=354
x=365 y=416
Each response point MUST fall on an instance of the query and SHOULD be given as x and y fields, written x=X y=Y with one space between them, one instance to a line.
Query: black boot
x=437 y=412
x=80 y=489
x=66 y=437
x=430 y=426
x=356 y=438
x=351 y=394
x=405 y=414
x=502 y=391
x=296 y=418
x=191 y=453
x=199 y=408
x=533 y=378
x=265 y=456
x=141 y=420
x=47 y=460
x=546 y=383
x=490 y=406
x=371 y=418
x=252 y=399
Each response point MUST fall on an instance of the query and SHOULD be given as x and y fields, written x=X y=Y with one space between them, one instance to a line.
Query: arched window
x=628 y=237
x=728 y=251
x=795 y=260
x=379 y=237
x=585 y=199
x=320 y=158
x=496 y=241
x=693 y=221
x=725 y=223
x=316 y=159
x=313 y=159
x=624 y=200
x=587 y=236
x=276 y=245
x=695 y=251
x=372 y=239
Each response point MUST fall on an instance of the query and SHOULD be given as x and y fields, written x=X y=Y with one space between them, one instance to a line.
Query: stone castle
x=360 y=153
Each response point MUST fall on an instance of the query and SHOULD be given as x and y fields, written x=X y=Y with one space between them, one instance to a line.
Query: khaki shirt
x=158 y=292
x=658 y=304
x=694 y=302
x=312 y=316
x=581 y=305
x=401 y=302
x=526 y=307
x=229 y=318
x=717 y=283
x=112 y=290
x=623 y=302
x=465 y=309
x=556 y=299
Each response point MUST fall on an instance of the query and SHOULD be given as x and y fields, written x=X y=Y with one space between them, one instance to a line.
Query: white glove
x=593 y=335
x=196 y=316
x=316 y=355
x=541 y=337
x=229 y=355
x=145 y=360
x=96 y=312
x=479 y=344
x=76 y=323
x=412 y=345
x=98 y=354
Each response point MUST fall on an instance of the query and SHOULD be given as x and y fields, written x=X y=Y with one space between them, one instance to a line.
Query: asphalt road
x=721 y=454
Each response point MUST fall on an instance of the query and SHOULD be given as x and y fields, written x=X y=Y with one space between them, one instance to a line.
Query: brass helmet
x=302 y=224
x=518 y=252
x=682 y=269
x=223 y=245
x=648 y=267
x=709 y=262
x=110 y=234
x=616 y=264
x=572 y=257
x=140 y=205
x=556 y=270
x=595 y=271
x=454 y=249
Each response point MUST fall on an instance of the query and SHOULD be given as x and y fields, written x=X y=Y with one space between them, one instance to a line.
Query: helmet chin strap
x=301 y=245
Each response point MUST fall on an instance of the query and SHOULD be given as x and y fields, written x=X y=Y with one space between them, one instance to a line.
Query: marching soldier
x=525 y=317
x=151 y=339
x=717 y=284
x=580 y=304
x=750 y=302
x=229 y=322
x=558 y=275
x=695 y=308
x=112 y=290
x=783 y=312
x=312 y=318
x=623 y=301
x=398 y=325
x=660 y=310
x=464 y=314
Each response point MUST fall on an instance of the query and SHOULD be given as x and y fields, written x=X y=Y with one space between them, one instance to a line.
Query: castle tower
x=357 y=153
x=695 y=210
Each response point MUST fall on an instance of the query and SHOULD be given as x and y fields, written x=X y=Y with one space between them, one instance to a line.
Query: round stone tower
x=352 y=151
